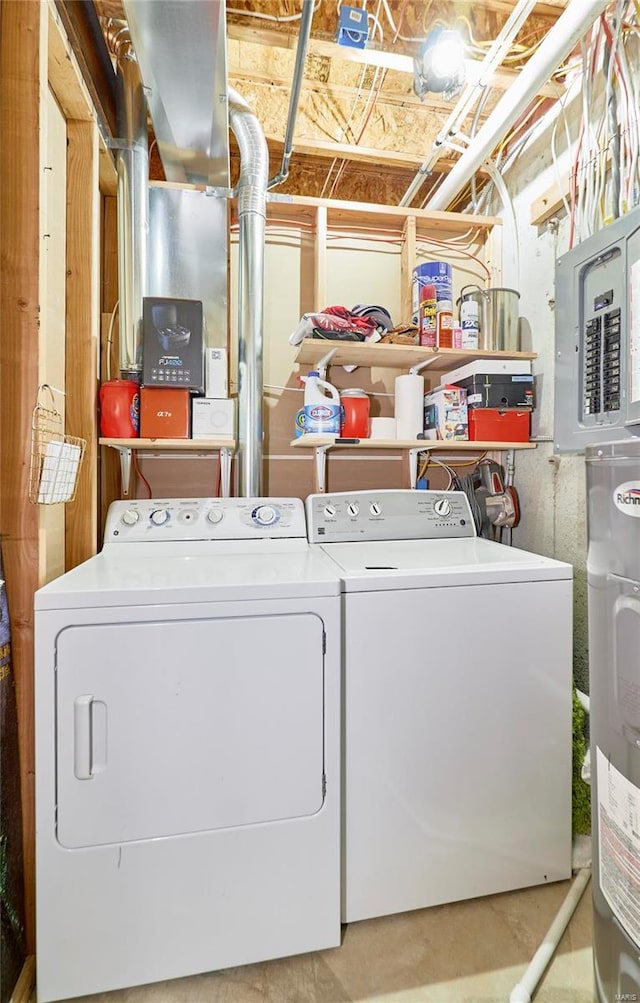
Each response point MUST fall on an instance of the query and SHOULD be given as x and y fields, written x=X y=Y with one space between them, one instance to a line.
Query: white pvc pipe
x=470 y=92
x=522 y=992
x=566 y=32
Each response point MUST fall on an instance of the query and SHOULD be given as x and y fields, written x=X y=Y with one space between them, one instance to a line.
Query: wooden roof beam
x=502 y=78
x=362 y=154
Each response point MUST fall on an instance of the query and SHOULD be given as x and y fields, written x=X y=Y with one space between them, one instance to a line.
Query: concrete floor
x=467 y=952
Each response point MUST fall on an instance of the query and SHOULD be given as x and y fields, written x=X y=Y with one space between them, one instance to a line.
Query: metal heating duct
x=251 y=191
x=132 y=162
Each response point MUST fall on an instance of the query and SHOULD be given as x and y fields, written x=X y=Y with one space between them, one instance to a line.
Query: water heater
x=613 y=568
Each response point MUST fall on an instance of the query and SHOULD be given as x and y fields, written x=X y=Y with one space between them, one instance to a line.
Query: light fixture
x=439 y=64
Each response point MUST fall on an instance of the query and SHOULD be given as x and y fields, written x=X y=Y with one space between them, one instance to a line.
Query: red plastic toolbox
x=488 y=424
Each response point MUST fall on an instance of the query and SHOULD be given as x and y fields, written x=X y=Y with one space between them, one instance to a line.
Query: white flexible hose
x=522 y=992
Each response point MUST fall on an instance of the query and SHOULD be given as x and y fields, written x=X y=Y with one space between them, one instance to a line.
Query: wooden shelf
x=446 y=445
x=359 y=353
x=192 y=444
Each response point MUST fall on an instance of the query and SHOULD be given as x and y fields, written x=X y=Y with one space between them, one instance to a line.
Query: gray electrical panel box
x=597 y=376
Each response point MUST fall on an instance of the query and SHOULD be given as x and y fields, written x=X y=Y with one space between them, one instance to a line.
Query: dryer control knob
x=375 y=508
x=215 y=515
x=159 y=517
x=353 y=508
x=130 y=517
x=266 y=515
x=329 y=511
x=442 y=507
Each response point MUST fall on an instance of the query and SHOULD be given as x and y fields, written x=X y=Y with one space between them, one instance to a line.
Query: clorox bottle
x=321 y=409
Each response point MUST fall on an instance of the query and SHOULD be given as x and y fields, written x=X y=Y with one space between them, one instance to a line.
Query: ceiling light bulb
x=439 y=65
x=447 y=58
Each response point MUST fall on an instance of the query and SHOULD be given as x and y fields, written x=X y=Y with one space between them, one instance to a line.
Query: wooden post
x=22 y=84
x=82 y=332
x=407 y=264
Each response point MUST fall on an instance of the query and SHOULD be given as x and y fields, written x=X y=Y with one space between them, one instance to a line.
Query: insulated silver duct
x=132 y=162
x=251 y=191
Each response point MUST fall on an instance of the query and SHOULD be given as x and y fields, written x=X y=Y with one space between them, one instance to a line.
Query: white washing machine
x=457 y=703
x=187 y=747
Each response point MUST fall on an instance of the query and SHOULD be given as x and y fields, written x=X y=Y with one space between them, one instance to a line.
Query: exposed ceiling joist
x=335 y=91
x=361 y=154
x=502 y=78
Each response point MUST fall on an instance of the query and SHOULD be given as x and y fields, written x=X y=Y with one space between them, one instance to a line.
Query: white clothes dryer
x=187 y=747
x=457 y=662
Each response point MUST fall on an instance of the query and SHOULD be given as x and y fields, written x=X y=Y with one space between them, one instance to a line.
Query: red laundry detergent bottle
x=120 y=409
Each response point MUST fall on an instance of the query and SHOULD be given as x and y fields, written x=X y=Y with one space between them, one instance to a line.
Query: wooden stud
x=320 y=289
x=407 y=264
x=549 y=203
x=82 y=320
x=23 y=82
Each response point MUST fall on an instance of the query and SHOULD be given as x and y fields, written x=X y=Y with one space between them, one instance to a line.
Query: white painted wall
x=552 y=488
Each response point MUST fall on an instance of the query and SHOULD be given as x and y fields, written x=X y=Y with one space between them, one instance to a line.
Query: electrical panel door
x=597 y=386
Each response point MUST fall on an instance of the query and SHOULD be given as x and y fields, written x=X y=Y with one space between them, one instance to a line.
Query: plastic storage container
x=322 y=411
x=492 y=425
x=355 y=414
x=120 y=409
x=498 y=317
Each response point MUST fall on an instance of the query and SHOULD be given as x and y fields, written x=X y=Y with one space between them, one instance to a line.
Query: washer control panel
x=148 y=519
x=388 y=515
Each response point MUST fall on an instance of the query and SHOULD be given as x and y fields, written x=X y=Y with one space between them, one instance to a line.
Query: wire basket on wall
x=55 y=457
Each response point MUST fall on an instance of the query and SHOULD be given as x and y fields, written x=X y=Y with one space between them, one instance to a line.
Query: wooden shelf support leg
x=124 y=453
x=225 y=470
x=321 y=468
x=413 y=466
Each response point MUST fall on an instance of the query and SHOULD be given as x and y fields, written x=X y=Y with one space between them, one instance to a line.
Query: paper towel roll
x=409 y=407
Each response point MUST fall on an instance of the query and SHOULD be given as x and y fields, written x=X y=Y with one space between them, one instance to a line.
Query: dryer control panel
x=150 y=519
x=388 y=515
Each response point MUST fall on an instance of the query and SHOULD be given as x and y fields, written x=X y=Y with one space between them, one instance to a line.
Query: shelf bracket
x=321 y=467
x=413 y=466
x=225 y=470
x=125 y=468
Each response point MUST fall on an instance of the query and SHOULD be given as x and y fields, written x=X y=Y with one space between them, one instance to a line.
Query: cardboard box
x=172 y=343
x=494 y=367
x=164 y=413
x=216 y=383
x=492 y=425
x=501 y=391
x=213 y=418
x=445 y=414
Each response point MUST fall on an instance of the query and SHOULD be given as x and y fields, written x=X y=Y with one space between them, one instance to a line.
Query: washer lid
x=141 y=574
x=406 y=564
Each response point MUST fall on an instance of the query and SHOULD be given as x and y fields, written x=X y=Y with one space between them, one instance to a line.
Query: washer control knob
x=329 y=511
x=130 y=517
x=375 y=508
x=442 y=507
x=215 y=515
x=159 y=517
x=266 y=515
x=353 y=508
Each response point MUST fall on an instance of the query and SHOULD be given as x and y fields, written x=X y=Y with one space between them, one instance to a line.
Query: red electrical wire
x=139 y=474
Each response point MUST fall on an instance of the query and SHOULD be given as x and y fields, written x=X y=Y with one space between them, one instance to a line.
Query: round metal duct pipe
x=132 y=163
x=251 y=191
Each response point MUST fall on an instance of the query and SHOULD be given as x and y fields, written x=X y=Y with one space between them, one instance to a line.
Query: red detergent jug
x=120 y=409
x=355 y=409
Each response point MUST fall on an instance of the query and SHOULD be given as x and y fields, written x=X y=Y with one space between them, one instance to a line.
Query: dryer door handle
x=82 y=738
